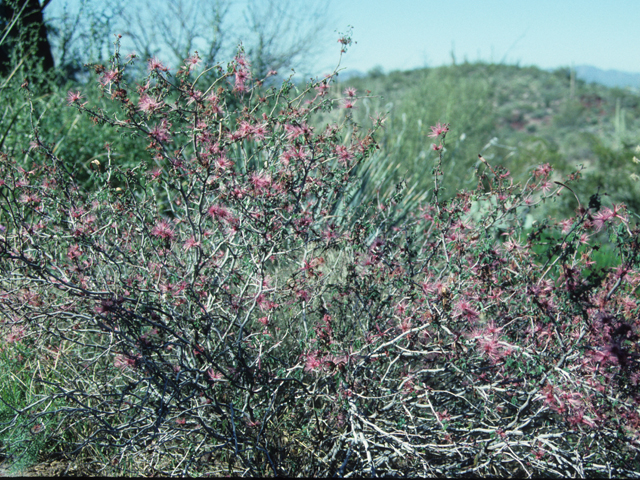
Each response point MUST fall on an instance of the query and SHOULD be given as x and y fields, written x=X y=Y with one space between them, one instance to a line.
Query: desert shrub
x=225 y=307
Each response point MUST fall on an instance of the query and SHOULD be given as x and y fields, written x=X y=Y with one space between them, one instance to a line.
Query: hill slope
x=517 y=117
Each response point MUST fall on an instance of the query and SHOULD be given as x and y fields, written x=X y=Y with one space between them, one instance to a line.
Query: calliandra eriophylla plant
x=221 y=308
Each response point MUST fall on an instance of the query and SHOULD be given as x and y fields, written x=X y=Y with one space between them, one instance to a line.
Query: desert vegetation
x=221 y=271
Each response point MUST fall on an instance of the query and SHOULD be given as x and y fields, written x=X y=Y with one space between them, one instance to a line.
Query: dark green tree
x=23 y=37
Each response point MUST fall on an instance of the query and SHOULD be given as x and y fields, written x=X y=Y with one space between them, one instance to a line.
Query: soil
x=54 y=468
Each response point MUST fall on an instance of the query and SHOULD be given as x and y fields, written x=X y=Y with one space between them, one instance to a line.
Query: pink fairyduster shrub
x=224 y=310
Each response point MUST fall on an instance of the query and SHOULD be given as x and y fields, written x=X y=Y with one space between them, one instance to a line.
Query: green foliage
x=23 y=439
x=515 y=117
x=73 y=137
x=446 y=94
x=611 y=174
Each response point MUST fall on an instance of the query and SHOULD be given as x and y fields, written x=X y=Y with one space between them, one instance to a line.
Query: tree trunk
x=29 y=33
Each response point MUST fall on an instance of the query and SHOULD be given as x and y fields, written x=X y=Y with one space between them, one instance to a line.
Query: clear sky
x=406 y=34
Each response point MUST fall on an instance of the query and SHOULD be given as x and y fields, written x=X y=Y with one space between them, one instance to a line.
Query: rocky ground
x=55 y=468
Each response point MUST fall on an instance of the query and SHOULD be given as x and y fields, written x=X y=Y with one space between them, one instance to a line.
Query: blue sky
x=406 y=34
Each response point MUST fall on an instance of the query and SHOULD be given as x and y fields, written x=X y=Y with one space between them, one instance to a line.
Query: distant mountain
x=609 y=78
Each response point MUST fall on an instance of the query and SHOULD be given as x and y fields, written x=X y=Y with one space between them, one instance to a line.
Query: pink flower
x=213 y=99
x=214 y=106
x=616 y=209
x=244 y=129
x=322 y=89
x=566 y=225
x=348 y=102
x=259 y=131
x=579 y=418
x=438 y=130
x=155 y=173
x=602 y=217
x=155 y=64
x=489 y=347
x=73 y=97
x=294 y=152
x=17 y=333
x=223 y=163
x=73 y=252
x=603 y=356
x=251 y=424
x=242 y=60
x=443 y=416
x=214 y=376
x=344 y=155
x=433 y=288
x=511 y=245
x=584 y=238
x=436 y=148
x=264 y=303
x=539 y=454
x=628 y=303
x=193 y=61
x=260 y=181
x=492 y=329
x=160 y=132
x=219 y=212
x=124 y=362
x=350 y=92
x=329 y=233
x=335 y=361
x=313 y=362
x=148 y=104
x=163 y=230
x=242 y=76
x=194 y=96
x=543 y=170
x=303 y=295
x=190 y=243
x=108 y=77
x=295 y=131
x=29 y=198
x=406 y=324
x=465 y=309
